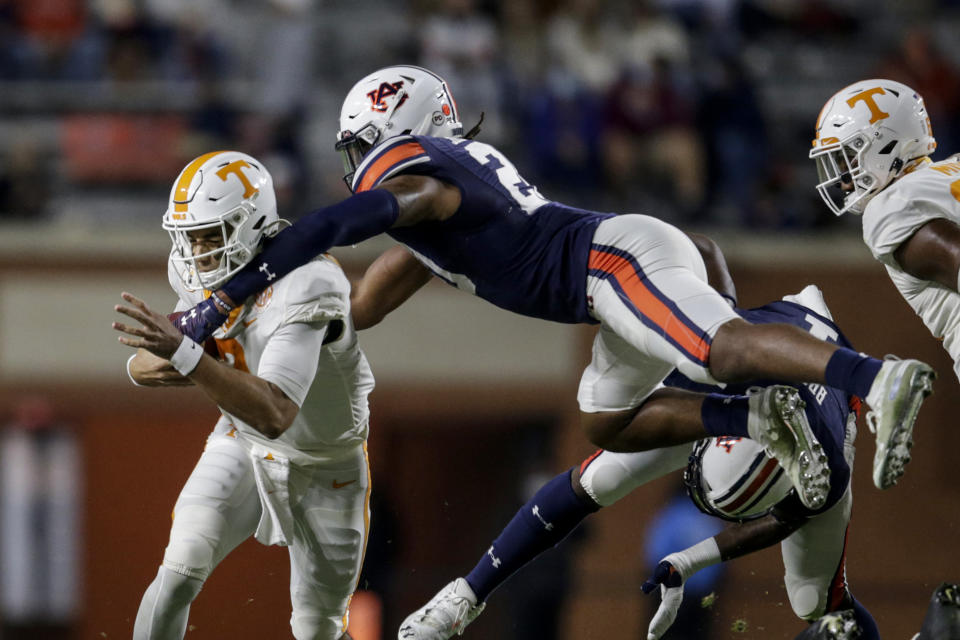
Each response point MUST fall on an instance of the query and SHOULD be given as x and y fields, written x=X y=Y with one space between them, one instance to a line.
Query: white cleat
x=777 y=421
x=447 y=613
x=894 y=399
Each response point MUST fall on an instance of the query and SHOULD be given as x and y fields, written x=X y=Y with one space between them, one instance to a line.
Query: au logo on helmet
x=385 y=90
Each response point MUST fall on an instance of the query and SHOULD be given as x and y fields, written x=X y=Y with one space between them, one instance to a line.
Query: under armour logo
x=496 y=561
x=270 y=276
x=546 y=525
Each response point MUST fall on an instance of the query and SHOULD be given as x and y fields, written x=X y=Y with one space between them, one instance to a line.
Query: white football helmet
x=732 y=478
x=224 y=190
x=390 y=102
x=868 y=134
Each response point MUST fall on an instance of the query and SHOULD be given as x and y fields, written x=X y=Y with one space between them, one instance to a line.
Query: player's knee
x=604 y=484
x=808 y=599
x=318 y=615
x=193 y=541
x=307 y=627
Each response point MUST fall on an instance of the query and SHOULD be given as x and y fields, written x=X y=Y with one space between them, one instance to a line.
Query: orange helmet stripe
x=181 y=192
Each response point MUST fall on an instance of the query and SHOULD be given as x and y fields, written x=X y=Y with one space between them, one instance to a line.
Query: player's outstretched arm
x=387 y=283
x=932 y=253
x=400 y=201
x=256 y=401
x=734 y=541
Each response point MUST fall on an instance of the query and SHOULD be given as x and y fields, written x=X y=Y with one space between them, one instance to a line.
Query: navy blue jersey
x=506 y=243
x=827 y=408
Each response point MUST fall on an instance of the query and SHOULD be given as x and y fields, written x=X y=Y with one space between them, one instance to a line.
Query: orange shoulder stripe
x=386 y=162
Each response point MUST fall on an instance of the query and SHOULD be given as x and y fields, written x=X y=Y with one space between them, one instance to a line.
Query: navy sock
x=546 y=519
x=868 y=626
x=725 y=415
x=851 y=371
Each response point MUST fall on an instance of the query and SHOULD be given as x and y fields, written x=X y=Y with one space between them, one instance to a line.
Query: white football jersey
x=893 y=216
x=298 y=335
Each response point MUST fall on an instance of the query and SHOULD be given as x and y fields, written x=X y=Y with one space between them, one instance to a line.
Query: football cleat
x=839 y=625
x=942 y=620
x=777 y=421
x=447 y=613
x=894 y=401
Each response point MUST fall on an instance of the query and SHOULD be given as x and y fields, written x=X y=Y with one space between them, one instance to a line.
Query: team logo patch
x=438 y=118
x=264 y=297
x=385 y=90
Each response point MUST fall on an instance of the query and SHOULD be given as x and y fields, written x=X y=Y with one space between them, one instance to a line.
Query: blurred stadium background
x=697 y=111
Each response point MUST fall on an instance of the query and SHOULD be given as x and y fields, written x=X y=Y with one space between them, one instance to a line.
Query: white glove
x=670 y=599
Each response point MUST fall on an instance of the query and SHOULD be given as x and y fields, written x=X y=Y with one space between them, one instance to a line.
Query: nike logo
x=247 y=323
x=341 y=485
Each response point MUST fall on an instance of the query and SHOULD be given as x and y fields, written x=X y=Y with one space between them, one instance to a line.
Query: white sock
x=165 y=606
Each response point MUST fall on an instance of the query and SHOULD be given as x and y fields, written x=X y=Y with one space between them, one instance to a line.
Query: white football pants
x=220 y=507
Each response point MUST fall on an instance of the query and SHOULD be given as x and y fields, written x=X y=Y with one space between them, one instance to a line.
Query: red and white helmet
x=868 y=134
x=390 y=102
x=734 y=479
x=226 y=190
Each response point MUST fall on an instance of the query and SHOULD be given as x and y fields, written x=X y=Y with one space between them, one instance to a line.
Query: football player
x=286 y=462
x=872 y=150
x=744 y=486
x=466 y=215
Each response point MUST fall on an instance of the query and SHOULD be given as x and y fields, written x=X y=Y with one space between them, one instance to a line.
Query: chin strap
x=470 y=135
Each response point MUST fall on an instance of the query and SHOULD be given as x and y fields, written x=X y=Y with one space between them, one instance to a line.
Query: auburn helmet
x=867 y=135
x=390 y=102
x=733 y=479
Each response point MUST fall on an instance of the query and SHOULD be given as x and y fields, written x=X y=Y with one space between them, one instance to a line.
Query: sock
x=868 y=626
x=725 y=415
x=852 y=372
x=550 y=515
x=165 y=606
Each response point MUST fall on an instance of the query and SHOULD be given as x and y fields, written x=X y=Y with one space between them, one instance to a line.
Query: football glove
x=671 y=596
x=199 y=323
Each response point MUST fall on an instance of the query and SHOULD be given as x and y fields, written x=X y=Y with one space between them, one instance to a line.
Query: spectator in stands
x=460 y=43
x=649 y=142
x=919 y=63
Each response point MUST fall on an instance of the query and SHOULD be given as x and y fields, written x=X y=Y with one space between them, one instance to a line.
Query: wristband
x=187 y=356
x=130 y=375
x=703 y=554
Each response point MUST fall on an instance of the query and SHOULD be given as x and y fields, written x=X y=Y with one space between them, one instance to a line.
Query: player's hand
x=199 y=323
x=156 y=333
x=152 y=371
x=670 y=582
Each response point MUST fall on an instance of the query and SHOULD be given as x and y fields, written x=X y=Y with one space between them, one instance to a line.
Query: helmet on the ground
x=867 y=135
x=393 y=101
x=733 y=479
x=226 y=191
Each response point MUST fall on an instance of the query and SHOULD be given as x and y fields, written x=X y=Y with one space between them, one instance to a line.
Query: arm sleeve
x=291 y=357
x=361 y=216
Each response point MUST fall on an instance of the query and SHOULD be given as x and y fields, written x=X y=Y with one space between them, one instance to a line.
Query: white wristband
x=703 y=554
x=187 y=356
x=130 y=375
